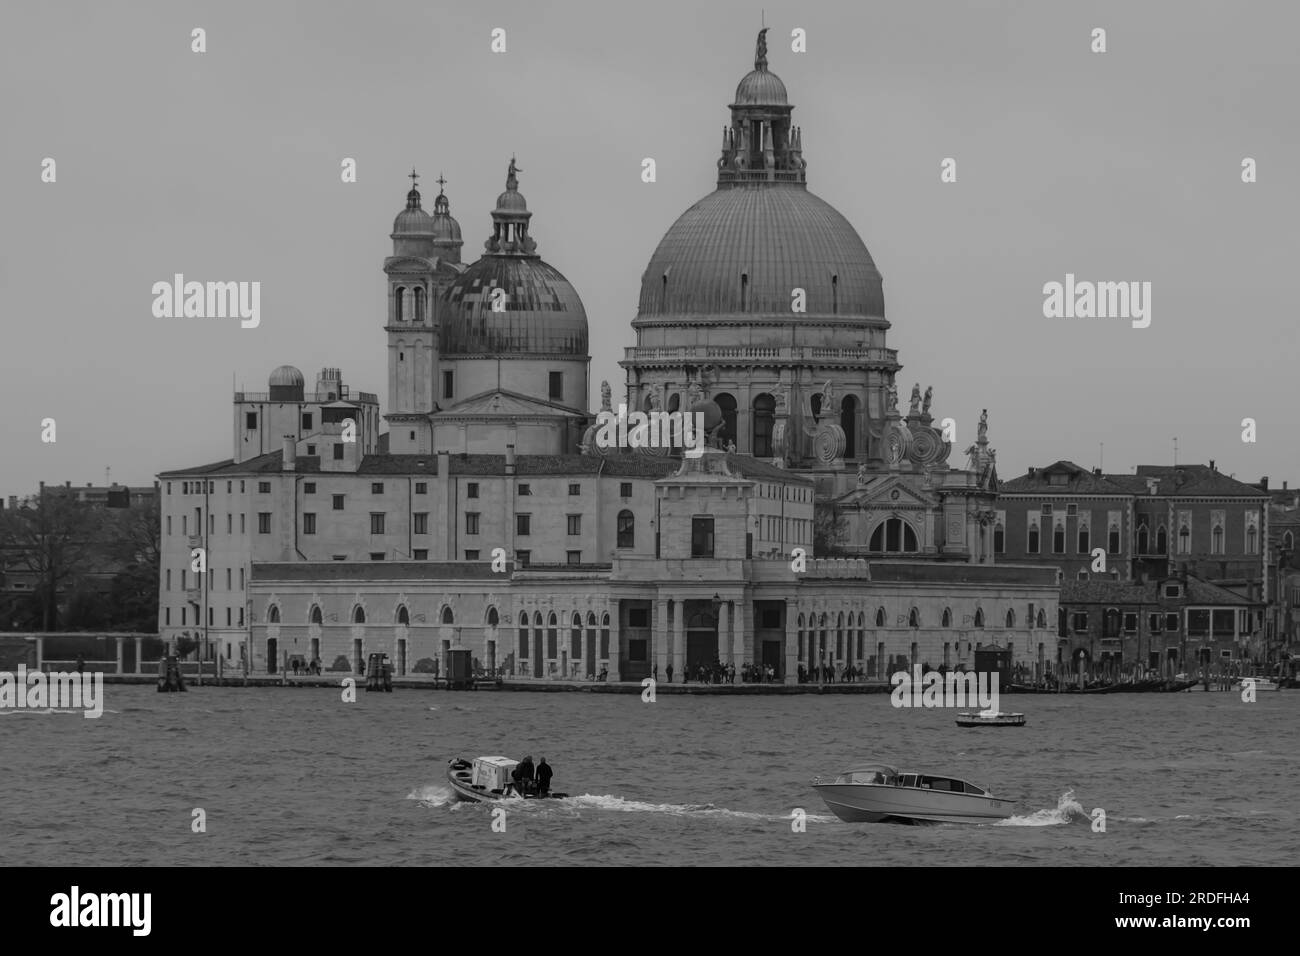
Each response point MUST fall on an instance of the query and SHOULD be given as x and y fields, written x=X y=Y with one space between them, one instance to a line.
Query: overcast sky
x=1123 y=166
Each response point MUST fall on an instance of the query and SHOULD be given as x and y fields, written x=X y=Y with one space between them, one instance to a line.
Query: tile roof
x=1097 y=591
x=1188 y=481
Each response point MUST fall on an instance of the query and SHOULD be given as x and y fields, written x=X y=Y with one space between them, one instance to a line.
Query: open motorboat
x=488 y=778
x=990 y=718
x=1261 y=683
x=876 y=793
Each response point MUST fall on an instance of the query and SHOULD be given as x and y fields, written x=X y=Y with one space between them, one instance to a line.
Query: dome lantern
x=761 y=146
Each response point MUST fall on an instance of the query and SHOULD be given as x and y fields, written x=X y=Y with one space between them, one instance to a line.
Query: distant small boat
x=1261 y=683
x=990 y=718
x=876 y=793
x=488 y=778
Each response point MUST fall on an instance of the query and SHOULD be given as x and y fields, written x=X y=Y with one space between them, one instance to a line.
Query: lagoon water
x=297 y=777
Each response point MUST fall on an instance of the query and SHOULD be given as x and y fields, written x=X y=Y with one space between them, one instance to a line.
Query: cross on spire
x=441 y=182
x=413 y=177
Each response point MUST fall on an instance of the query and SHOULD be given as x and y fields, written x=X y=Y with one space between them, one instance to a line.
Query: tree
x=54 y=538
x=830 y=529
x=136 y=546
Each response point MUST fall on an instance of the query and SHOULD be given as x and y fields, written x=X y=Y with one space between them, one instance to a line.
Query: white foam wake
x=620 y=805
x=432 y=795
x=1067 y=810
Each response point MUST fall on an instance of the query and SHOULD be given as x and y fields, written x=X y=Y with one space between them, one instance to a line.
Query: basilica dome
x=761 y=88
x=743 y=249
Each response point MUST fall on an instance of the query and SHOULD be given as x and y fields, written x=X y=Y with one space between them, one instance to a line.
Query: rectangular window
x=422 y=554
x=1080 y=623
x=241 y=486
x=167 y=616
x=471 y=555
x=185 y=525
x=1130 y=623
x=338 y=502
x=1112 y=545
x=1032 y=543
x=471 y=490
x=557 y=386
x=575 y=557
x=309 y=487
x=625 y=489
x=227 y=617
x=448 y=380
x=1071 y=509
x=339 y=557
x=264 y=522
x=228 y=576
x=228 y=486
x=182 y=615
x=1153 y=623
x=523 y=557
x=525 y=489
x=241 y=621
x=230 y=523
x=250 y=420
x=242 y=528
x=638 y=617
x=376 y=522
x=1084 y=539
x=212 y=523
x=263 y=487
x=338 y=452
x=421 y=487
x=183 y=579
x=1058 y=538
x=575 y=524
x=306 y=421
x=241 y=579
x=169 y=524
x=311 y=451
x=575 y=490
x=376 y=555
x=522 y=524
x=701 y=537
x=471 y=522
x=1000 y=533
x=1046 y=509
x=422 y=522
x=1171 y=622
x=309 y=523
x=376 y=487
x=169 y=579
x=169 y=487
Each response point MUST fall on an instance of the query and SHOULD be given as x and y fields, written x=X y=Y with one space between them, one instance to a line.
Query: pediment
x=891 y=493
x=504 y=403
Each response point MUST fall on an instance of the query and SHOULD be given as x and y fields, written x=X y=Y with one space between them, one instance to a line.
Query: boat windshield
x=949 y=784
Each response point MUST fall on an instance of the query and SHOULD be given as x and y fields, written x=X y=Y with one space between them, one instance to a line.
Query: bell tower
x=412 y=332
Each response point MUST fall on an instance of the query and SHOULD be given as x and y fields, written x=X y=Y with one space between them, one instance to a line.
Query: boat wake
x=620 y=805
x=1067 y=810
x=432 y=795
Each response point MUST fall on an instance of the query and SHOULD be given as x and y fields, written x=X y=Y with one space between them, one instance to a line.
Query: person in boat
x=527 y=774
x=544 y=774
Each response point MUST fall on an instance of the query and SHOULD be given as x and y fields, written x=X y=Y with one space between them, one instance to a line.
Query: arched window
x=979 y=617
x=402 y=616
x=626 y=529
x=727 y=403
x=893 y=536
x=447 y=616
x=947 y=617
x=1288 y=541
x=764 y=419
x=839 y=637
x=552 y=637
x=399 y=304
x=358 y=615
x=523 y=635
x=419 y=305
x=1216 y=539
x=862 y=634
x=849 y=422
x=1042 y=618
x=575 y=638
x=1144 y=538
x=604 y=637
x=822 y=636
x=880 y=617
x=914 y=618
x=315 y=617
x=999 y=538
x=802 y=651
x=1252 y=540
x=1162 y=540
x=1011 y=617
x=1184 y=540
x=273 y=615
x=492 y=617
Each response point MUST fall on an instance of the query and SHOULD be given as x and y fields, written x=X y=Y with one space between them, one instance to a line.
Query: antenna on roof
x=1102 y=456
x=1175 y=451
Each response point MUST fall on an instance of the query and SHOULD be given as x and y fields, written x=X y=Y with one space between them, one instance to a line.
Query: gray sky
x=225 y=166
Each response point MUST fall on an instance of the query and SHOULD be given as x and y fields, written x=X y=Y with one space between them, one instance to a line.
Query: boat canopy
x=875 y=773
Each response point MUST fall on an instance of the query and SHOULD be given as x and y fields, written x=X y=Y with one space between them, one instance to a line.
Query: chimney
x=510 y=460
x=1284 y=486
x=290 y=459
x=1097 y=472
x=1211 y=464
x=1263 y=483
x=1032 y=471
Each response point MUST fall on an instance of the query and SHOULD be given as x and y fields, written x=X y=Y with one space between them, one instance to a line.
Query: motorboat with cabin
x=1261 y=683
x=990 y=718
x=877 y=793
x=489 y=778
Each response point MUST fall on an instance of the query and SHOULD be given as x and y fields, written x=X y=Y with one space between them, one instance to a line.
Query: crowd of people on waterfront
x=720 y=673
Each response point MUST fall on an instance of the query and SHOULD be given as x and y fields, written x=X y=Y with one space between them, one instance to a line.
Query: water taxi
x=877 y=793
x=990 y=718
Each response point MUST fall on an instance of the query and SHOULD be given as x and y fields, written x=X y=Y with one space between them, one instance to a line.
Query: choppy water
x=299 y=777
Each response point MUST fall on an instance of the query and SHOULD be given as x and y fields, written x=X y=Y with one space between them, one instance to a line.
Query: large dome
x=745 y=249
x=761 y=88
x=542 y=314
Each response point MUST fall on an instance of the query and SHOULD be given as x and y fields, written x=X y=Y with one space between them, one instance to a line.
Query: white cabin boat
x=877 y=793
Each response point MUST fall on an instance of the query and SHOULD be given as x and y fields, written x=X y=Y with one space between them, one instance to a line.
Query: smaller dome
x=511 y=200
x=413 y=222
x=443 y=225
x=286 y=375
x=761 y=88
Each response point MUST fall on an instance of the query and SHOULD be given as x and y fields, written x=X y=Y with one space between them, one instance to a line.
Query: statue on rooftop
x=760 y=50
